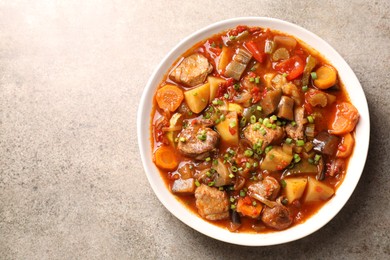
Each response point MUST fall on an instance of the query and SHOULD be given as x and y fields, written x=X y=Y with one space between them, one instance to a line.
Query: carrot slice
x=165 y=158
x=346 y=146
x=345 y=120
x=169 y=97
x=326 y=77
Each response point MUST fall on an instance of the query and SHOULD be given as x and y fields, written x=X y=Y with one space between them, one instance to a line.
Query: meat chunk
x=212 y=204
x=278 y=217
x=267 y=188
x=256 y=132
x=296 y=131
x=192 y=71
x=197 y=142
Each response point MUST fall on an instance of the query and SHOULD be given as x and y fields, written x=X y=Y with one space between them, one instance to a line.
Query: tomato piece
x=257 y=53
x=293 y=66
x=345 y=120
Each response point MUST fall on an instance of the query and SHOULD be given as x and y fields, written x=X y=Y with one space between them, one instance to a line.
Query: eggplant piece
x=326 y=143
x=286 y=108
x=237 y=66
x=301 y=168
x=321 y=170
x=235 y=221
x=222 y=174
x=271 y=101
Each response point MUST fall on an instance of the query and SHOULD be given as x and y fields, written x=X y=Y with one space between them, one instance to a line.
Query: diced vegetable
x=270 y=101
x=346 y=147
x=184 y=186
x=326 y=77
x=239 y=37
x=301 y=168
x=175 y=122
x=285 y=41
x=345 y=120
x=223 y=59
x=293 y=66
x=317 y=191
x=280 y=54
x=222 y=174
x=198 y=98
x=165 y=158
x=276 y=159
x=311 y=62
x=169 y=97
x=269 y=47
x=326 y=143
x=214 y=85
x=237 y=66
x=255 y=50
x=246 y=208
x=286 y=108
x=294 y=188
x=228 y=129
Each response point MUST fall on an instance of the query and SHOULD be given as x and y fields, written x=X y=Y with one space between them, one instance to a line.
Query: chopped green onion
x=297 y=158
x=202 y=137
x=248 y=153
x=226 y=95
x=182 y=139
x=208 y=159
x=257 y=80
x=283 y=183
x=259 y=108
x=274 y=118
x=232 y=199
x=243 y=122
x=251 y=79
x=284 y=74
x=215 y=162
x=211 y=183
x=262 y=131
x=269 y=125
x=220 y=188
x=310 y=119
x=256 y=127
x=236 y=86
x=300 y=142
x=313 y=75
x=253 y=119
x=288 y=140
x=215 y=102
x=265 y=121
x=247 y=165
x=255 y=164
x=253 y=68
x=233 y=206
x=310 y=160
x=305 y=88
x=232 y=37
x=234 y=169
x=242 y=193
x=254 y=203
x=273 y=126
x=268 y=148
x=260 y=120
x=317 y=158
x=197 y=183
x=293 y=123
x=208 y=174
x=232 y=124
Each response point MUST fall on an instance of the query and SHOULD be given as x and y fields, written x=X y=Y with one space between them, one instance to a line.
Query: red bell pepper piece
x=258 y=54
x=293 y=66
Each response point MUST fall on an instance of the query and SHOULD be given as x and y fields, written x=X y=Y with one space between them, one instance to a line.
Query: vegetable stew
x=252 y=130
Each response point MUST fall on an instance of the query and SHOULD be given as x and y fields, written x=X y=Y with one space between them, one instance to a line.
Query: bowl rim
x=317 y=220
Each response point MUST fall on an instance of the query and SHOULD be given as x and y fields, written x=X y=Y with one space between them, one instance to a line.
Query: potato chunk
x=317 y=191
x=198 y=98
x=214 y=84
x=276 y=160
x=294 y=188
x=228 y=129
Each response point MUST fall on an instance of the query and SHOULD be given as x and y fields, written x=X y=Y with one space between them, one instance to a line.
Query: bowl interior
x=356 y=163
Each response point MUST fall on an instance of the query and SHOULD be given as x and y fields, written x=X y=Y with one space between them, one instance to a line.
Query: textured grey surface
x=71 y=75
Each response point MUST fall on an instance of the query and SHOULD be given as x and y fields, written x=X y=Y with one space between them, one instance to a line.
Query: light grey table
x=71 y=76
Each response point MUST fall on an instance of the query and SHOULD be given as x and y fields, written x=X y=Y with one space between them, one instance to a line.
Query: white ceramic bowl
x=329 y=210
